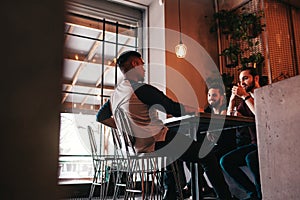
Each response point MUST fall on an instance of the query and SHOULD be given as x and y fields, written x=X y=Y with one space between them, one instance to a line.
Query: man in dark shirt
x=246 y=155
x=140 y=102
x=225 y=141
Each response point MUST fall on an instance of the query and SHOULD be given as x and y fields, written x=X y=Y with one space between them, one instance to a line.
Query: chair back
x=116 y=138
x=93 y=144
x=123 y=125
x=118 y=144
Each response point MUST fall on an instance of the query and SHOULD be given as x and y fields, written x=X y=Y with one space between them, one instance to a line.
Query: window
x=96 y=32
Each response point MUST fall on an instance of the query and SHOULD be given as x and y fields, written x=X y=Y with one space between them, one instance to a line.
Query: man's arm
x=104 y=116
x=250 y=103
x=231 y=106
x=247 y=97
x=109 y=122
x=152 y=96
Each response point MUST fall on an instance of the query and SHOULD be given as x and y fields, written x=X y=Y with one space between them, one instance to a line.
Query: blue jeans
x=246 y=155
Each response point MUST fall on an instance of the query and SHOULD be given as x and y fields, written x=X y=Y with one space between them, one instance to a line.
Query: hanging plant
x=256 y=58
x=240 y=28
x=252 y=24
x=232 y=54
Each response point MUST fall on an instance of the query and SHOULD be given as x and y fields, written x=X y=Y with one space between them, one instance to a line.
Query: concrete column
x=278 y=124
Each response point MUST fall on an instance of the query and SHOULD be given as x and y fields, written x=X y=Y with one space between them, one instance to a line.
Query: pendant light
x=180 y=49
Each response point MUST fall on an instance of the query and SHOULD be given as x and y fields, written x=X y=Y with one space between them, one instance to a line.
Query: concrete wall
x=31 y=66
x=278 y=124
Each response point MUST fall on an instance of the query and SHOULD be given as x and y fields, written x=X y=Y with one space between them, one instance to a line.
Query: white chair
x=103 y=167
x=145 y=167
x=121 y=163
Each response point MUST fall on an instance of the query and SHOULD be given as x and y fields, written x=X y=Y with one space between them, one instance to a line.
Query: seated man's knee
x=251 y=158
x=225 y=162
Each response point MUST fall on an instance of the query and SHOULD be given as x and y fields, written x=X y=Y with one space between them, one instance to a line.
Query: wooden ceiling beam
x=71 y=107
x=77 y=56
x=97 y=24
x=106 y=87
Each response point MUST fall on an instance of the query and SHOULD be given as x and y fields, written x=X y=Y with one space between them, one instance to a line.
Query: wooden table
x=203 y=123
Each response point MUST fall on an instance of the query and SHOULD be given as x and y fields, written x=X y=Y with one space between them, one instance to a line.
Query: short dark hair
x=124 y=57
x=252 y=70
x=217 y=86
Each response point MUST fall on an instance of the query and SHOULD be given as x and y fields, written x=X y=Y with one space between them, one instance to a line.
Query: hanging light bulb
x=180 y=49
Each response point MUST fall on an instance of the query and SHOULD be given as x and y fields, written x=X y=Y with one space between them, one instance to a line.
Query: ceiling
x=89 y=75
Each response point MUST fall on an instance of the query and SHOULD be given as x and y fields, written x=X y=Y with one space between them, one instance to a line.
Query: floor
x=136 y=198
x=233 y=188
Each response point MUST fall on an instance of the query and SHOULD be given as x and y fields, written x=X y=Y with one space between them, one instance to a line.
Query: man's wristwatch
x=246 y=97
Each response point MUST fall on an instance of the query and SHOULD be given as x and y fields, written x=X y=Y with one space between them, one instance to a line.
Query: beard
x=250 y=87
x=141 y=79
x=215 y=104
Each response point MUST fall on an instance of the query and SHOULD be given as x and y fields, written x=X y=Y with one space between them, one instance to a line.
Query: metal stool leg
x=174 y=167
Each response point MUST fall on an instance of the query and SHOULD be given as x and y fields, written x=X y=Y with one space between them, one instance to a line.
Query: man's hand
x=211 y=137
x=231 y=105
x=238 y=91
x=191 y=110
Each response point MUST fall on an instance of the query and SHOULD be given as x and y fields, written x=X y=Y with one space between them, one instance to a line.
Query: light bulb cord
x=179 y=18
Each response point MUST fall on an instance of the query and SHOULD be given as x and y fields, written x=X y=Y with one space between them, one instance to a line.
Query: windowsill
x=74 y=181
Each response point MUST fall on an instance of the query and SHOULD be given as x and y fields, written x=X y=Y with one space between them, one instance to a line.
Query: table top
x=210 y=121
